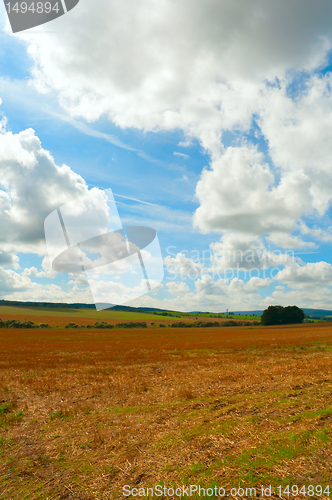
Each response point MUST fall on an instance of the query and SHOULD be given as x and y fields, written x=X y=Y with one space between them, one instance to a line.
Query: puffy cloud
x=212 y=295
x=8 y=259
x=46 y=272
x=311 y=275
x=235 y=287
x=250 y=287
x=111 y=292
x=318 y=233
x=16 y=286
x=321 y=299
x=177 y=288
x=245 y=252
x=239 y=193
x=235 y=294
x=242 y=300
x=285 y=240
x=78 y=279
x=206 y=67
x=299 y=135
x=191 y=64
x=31 y=271
x=207 y=286
x=183 y=266
x=11 y=282
x=299 y=126
x=32 y=187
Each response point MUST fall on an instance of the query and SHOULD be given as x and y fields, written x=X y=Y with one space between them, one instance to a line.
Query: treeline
x=55 y=305
x=102 y=325
x=161 y=313
x=14 y=323
x=211 y=324
x=177 y=324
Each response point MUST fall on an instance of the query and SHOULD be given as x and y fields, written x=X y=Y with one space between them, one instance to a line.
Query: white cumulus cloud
x=31 y=187
x=183 y=266
x=245 y=252
x=309 y=276
x=177 y=288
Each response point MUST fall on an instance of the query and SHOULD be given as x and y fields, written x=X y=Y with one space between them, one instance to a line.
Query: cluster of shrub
x=137 y=324
x=103 y=325
x=166 y=314
x=74 y=325
x=14 y=323
x=98 y=324
x=207 y=324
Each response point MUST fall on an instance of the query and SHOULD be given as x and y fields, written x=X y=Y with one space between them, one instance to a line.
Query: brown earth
x=113 y=341
x=85 y=412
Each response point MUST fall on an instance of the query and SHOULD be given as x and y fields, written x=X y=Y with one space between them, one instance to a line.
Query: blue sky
x=219 y=141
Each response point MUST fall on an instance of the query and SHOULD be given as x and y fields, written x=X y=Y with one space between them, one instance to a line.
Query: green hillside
x=79 y=313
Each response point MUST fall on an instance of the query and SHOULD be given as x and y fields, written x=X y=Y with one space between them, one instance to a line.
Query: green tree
x=272 y=316
x=292 y=314
x=278 y=315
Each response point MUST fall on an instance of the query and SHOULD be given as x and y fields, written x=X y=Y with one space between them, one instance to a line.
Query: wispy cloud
x=135 y=199
x=186 y=144
x=85 y=129
x=176 y=153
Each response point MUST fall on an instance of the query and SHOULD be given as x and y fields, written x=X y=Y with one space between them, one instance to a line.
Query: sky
x=210 y=121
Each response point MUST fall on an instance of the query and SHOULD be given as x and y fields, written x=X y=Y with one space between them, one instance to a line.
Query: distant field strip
x=119 y=339
x=61 y=317
x=80 y=316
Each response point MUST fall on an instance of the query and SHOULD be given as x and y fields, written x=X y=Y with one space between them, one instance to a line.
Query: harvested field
x=119 y=340
x=85 y=412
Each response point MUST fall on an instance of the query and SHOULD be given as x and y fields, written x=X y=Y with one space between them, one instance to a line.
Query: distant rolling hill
x=319 y=313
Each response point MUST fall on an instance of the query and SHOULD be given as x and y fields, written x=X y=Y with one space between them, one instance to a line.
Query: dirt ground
x=116 y=340
x=85 y=412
